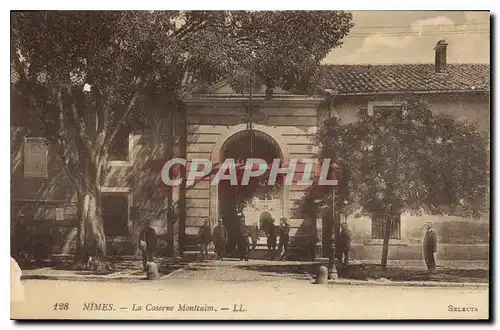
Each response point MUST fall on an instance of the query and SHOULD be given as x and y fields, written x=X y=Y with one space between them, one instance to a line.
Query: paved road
x=280 y=298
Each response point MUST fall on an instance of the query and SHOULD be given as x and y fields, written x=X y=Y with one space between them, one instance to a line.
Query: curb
x=404 y=283
x=176 y=271
x=83 y=278
x=311 y=280
x=411 y=284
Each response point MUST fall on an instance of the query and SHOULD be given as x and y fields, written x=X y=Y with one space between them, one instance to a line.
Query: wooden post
x=182 y=189
x=250 y=123
x=169 y=144
x=332 y=269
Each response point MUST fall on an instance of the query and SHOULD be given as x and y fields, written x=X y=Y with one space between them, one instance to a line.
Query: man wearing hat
x=243 y=240
x=344 y=243
x=220 y=237
x=254 y=233
x=271 y=239
x=204 y=237
x=430 y=247
x=147 y=243
x=284 y=235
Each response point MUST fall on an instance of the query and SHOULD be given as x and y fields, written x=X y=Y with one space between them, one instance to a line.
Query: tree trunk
x=387 y=233
x=91 y=244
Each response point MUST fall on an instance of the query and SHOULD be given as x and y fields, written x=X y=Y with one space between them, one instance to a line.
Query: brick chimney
x=440 y=60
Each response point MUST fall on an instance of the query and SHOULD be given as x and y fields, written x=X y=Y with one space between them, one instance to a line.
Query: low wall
x=414 y=252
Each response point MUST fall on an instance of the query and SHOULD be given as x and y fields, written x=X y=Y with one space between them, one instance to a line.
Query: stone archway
x=215 y=158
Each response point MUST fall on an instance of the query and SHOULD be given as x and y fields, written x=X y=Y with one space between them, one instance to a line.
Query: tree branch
x=186 y=28
x=19 y=67
x=62 y=147
x=82 y=142
x=102 y=121
x=123 y=118
x=79 y=122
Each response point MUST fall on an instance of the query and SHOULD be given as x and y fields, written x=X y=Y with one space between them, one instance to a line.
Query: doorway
x=234 y=199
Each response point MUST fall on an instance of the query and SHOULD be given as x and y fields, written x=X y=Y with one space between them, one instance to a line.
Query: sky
x=388 y=37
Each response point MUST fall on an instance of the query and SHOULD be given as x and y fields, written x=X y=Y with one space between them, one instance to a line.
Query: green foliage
x=411 y=160
x=79 y=77
x=120 y=54
x=280 y=48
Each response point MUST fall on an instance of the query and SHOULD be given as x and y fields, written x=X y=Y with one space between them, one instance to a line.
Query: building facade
x=283 y=125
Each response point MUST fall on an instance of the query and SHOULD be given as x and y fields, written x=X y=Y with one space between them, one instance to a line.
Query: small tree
x=409 y=160
x=80 y=77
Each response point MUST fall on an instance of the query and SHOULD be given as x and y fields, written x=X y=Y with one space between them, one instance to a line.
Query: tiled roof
x=375 y=79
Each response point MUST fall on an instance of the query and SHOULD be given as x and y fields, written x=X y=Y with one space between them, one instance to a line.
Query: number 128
x=61 y=306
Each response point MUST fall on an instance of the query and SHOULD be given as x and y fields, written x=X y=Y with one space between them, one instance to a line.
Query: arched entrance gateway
x=267 y=145
x=218 y=126
x=258 y=201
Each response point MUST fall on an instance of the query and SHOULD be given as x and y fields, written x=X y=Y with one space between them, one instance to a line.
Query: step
x=261 y=252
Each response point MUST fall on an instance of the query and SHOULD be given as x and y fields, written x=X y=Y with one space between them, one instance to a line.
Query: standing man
x=255 y=235
x=344 y=243
x=430 y=247
x=220 y=237
x=284 y=235
x=271 y=239
x=243 y=240
x=204 y=237
x=147 y=243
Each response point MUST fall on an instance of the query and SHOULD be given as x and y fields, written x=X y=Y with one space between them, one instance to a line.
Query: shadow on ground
x=366 y=272
x=131 y=265
x=295 y=269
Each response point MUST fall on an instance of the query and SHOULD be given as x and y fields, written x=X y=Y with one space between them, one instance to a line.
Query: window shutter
x=115 y=213
x=119 y=148
x=35 y=158
x=396 y=227
x=386 y=110
x=378 y=228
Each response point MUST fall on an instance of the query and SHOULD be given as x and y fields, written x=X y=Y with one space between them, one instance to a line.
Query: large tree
x=407 y=159
x=80 y=77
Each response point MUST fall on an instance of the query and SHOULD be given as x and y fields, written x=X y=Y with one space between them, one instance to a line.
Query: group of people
x=219 y=236
x=247 y=239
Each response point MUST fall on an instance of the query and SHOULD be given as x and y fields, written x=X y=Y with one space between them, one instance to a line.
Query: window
x=386 y=110
x=384 y=107
x=378 y=228
x=373 y=157
x=119 y=148
x=115 y=214
x=44 y=211
x=35 y=158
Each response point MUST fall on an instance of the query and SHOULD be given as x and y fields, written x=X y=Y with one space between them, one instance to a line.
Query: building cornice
x=275 y=101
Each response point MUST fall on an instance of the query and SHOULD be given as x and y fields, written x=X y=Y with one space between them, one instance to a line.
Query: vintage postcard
x=220 y=165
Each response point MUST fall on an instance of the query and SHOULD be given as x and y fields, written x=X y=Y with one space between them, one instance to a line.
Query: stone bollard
x=322 y=275
x=152 y=271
